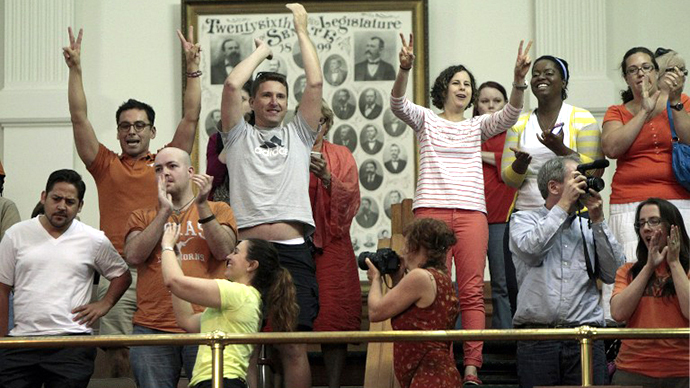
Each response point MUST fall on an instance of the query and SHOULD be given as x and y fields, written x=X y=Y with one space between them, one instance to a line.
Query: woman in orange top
x=653 y=293
x=638 y=134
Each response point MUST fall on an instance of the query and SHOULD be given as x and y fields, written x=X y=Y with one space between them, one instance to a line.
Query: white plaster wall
x=130 y=50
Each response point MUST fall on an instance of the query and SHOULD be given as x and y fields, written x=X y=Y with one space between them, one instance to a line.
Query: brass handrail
x=218 y=340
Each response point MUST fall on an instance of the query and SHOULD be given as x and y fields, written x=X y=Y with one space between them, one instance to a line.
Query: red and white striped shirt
x=450 y=159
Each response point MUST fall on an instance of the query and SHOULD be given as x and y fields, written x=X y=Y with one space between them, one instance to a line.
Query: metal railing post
x=217 y=363
x=586 y=355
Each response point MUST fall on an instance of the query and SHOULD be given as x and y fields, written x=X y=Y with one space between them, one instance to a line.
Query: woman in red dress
x=334 y=194
x=422 y=298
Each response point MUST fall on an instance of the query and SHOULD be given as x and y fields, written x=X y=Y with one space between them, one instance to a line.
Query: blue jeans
x=501 y=317
x=543 y=363
x=160 y=366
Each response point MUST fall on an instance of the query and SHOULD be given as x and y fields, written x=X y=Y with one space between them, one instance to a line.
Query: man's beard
x=234 y=59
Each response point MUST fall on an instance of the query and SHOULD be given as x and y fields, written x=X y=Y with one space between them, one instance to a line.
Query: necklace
x=541 y=123
x=179 y=209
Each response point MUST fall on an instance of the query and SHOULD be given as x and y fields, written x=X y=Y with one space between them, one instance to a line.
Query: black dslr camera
x=593 y=182
x=384 y=259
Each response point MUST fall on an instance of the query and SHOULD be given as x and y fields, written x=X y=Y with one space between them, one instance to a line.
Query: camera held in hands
x=593 y=182
x=384 y=259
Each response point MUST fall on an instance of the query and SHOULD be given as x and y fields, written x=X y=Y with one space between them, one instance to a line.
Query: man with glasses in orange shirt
x=126 y=182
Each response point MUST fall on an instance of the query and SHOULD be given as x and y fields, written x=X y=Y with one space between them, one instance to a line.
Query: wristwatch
x=679 y=106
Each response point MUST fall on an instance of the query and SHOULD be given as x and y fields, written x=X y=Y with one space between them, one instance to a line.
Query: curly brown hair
x=432 y=235
x=440 y=89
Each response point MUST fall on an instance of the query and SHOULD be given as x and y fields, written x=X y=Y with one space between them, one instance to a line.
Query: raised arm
x=187 y=289
x=140 y=244
x=617 y=137
x=84 y=136
x=672 y=83
x=174 y=278
x=231 y=101
x=411 y=289
x=221 y=239
x=406 y=57
x=310 y=105
x=522 y=65
x=186 y=129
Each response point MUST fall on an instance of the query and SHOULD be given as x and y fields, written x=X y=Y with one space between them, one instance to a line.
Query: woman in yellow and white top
x=253 y=274
x=553 y=129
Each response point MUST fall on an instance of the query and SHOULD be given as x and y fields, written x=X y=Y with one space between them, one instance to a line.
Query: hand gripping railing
x=218 y=340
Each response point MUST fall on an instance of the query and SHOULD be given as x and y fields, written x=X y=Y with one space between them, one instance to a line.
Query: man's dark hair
x=440 y=88
x=381 y=42
x=68 y=176
x=134 y=104
x=265 y=76
x=222 y=46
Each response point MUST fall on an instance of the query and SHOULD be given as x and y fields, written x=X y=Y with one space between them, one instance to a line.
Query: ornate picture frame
x=347 y=35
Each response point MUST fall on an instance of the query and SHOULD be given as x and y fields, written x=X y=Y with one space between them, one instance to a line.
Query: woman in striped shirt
x=450 y=186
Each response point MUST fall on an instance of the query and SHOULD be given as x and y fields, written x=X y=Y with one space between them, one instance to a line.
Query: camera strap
x=592 y=273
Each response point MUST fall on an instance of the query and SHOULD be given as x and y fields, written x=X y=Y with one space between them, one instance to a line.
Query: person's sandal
x=471 y=380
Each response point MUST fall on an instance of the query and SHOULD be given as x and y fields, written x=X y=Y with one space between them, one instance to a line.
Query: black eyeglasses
x=653 y=222
x=138 y=126
x=646 y=68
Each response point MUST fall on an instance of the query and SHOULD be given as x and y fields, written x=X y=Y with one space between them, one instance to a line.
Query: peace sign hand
x=192 y=52
x=522 y=63
x=406 y=52
x=72 y=53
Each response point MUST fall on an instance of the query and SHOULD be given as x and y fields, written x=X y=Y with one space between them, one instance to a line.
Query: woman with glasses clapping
x=638 y=134
x=653 y=293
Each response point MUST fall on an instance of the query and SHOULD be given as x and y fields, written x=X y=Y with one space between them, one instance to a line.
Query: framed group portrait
x=358 y=44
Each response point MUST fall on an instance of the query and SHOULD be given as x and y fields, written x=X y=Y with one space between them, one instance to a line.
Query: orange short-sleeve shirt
x=154 y=304
x=124 y=184
x=645 y=169
x=658 y=357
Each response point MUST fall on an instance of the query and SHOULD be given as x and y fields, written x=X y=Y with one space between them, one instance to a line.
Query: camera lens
x=595 y=183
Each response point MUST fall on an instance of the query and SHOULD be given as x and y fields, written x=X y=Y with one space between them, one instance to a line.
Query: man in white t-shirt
x=49 y=261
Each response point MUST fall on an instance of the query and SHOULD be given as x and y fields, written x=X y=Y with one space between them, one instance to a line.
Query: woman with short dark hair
x=450 y=185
